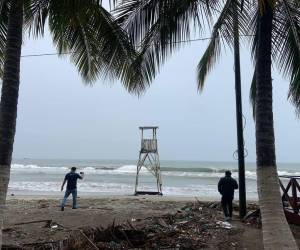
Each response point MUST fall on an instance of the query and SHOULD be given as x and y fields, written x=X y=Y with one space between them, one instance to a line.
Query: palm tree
x=81 y=28
x=270 y=39
x=160 y=25
x=230 y=10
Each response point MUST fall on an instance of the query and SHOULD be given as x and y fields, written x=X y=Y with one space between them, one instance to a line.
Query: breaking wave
x=201 y=172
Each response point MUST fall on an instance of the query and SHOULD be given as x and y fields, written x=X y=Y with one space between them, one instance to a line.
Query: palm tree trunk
x=239 y=113
x=276 y=231
x=9 y=99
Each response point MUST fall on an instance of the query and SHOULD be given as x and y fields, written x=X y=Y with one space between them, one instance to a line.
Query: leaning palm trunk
x=276 y=231
x=9 y=98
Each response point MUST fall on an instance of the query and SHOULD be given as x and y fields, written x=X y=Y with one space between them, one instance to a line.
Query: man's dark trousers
x=227 y=205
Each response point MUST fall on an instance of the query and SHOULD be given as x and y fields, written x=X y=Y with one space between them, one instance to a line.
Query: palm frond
x=36 y=13
x=292 y=69
x=208 y=60
x=138 y=16
x=212 y=53
x=253 y=29
x=252 y=95
x=3 y=3
x=223 y=31
x=35 y=16
x=287 y=47
x=98 y=46
x=158 y=26
x=3 y=30
x=292 y=14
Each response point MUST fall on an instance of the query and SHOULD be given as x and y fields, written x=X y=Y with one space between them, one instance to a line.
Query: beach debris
x=224 y=224
x=253 y=218
x=197 y=225
x=48 y=222
x=214 y=205
x=43 y=204
x=162 y=222
x=89 y=240
x=8 y=230
x=11 y=247
x=188 y=209
x=190 y=228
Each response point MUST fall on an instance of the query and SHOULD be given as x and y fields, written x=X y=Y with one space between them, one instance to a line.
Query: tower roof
x=149 y=127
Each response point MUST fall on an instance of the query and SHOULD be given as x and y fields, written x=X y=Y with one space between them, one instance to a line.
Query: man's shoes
x=62 y=209
x=228 y=219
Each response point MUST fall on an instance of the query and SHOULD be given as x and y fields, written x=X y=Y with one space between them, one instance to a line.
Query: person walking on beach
x=226 y=187
x=71 y=179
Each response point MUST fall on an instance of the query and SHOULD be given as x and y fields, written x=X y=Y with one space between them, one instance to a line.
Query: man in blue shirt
x=71 y=179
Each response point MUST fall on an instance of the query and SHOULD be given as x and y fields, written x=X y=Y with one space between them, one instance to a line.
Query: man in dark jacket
x=226 y=187
x=71 y=179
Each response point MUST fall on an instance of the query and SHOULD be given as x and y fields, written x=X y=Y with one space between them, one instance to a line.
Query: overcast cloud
x=59 y=117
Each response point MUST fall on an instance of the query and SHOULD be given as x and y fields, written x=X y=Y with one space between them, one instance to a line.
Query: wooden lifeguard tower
x=149 y=159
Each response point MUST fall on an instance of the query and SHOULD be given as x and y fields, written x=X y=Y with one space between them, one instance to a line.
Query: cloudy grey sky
x=59 y=117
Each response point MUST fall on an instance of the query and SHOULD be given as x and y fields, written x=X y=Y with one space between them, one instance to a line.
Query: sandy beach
x=103 y=211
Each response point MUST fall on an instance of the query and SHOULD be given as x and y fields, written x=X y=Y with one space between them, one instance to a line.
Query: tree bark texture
x=9 y=98
x=276 y=230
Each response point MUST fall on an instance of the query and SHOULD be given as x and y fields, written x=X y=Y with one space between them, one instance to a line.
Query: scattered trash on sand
x=197 y=225
x=224 y=224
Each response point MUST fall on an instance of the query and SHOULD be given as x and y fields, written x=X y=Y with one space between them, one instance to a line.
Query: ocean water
x=117 y=177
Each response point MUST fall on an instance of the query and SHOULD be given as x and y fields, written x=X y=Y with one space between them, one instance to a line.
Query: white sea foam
x=131 y=170
x=126 y=169
x=36 y=168
x=55 y=186
x=21 y=166
x=34 y=186
x=117 y=188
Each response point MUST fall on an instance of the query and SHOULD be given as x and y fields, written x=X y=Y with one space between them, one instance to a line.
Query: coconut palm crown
x=86 y=32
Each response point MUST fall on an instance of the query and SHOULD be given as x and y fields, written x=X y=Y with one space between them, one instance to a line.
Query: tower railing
x=149 y=145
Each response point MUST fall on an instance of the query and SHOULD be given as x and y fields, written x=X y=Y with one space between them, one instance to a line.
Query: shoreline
x=28 y=197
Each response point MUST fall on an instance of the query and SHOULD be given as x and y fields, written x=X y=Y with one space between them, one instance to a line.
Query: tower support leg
x=153 y=167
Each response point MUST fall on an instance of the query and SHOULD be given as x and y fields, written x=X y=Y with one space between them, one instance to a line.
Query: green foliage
x=223 y=31
x=287 y=42
x=158 y=26
x=285 y=46
x=85 y=31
